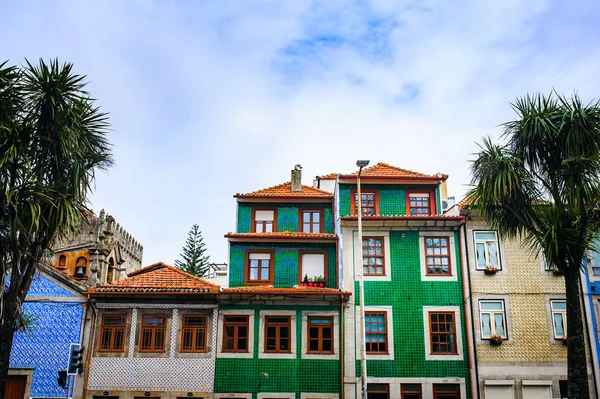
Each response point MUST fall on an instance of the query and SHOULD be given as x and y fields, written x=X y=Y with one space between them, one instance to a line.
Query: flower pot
x=321 y=285
x=496 y=342
x=305 y=284
x=490 y=272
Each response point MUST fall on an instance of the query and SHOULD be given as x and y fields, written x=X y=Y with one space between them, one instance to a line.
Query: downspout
x=468 y=301
x=89 y=308
x=588 y=306
x=342 y=346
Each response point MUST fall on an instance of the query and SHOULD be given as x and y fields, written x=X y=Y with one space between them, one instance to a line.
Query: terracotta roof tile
x=383 y=170
x=329 y=176
x=283 y=234
x=159 y=277
x=285 y=190
x=300 y=290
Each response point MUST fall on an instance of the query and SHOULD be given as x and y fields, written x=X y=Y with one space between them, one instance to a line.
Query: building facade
x=154 y=336
x=280 y=319
x=415 y=323
x=591 y=290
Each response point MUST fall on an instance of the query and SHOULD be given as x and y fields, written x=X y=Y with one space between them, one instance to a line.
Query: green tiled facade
x=288 y=216
x=392 y=198
x=285 y=264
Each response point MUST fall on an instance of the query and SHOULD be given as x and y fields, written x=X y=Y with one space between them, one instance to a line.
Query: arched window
x=111 y=270
x=62 y=261
x=81 y=266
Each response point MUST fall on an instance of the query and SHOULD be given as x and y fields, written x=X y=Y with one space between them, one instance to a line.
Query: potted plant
x=311 y=282
x=495 y=339
x=490 y=270
x=305 y=280
x=320 y=280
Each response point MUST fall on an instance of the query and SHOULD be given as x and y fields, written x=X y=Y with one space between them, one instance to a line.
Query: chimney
x=297 y=178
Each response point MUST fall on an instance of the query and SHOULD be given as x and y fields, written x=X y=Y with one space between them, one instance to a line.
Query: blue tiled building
x=57 y=308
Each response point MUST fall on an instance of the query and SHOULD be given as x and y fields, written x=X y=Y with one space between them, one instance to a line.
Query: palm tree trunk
x=578 y=374
x=7 y=334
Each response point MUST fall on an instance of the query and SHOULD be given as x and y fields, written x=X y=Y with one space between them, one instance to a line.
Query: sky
x=211 y=98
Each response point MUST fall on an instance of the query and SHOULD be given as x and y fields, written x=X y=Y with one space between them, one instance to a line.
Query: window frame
x=301 y=212
x=454 y=260
x=313 y=252
x=382 y=256
x=432 y=202
x=449 y=256
x=564 y=318
x=458 y=331
x=278 y=326
x=195 y=331
x=436 y=392
x=353 y=207
x=154 y=330
x=247 y=280
x=320 y=338
x=385 y=333
x=236 y=326
x=444 y=333
x=492 y=312
x=385 y=389
x=406 y=393
x=113 y=328
x=253 y=225
x=499 y=252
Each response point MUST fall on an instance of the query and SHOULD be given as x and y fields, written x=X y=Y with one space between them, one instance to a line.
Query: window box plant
x=490 y=270
x=319 y=281
x=495 y=339
x=305 y=281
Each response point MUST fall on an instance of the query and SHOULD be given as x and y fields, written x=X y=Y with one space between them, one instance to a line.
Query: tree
x=194 y=260
x=52 y=140
x=541 y=183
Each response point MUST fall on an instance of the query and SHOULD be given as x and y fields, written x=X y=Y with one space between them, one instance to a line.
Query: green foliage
x=542 y=184
x=194 y=259
x=52 y=140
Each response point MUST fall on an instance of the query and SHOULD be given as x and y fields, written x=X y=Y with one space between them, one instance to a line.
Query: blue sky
x=212 y=98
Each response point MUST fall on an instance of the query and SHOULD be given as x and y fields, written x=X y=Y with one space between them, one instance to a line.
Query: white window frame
x=561 y=312
x=336 y=331
x=261 y=335
x=269 y=395
x=492 y=313
x=234 y=355
x=454 y=265
x=485 y=243
x=457 y=325
x=386 y=255
x=390 y=332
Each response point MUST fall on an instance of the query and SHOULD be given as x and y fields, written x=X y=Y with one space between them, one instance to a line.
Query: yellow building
x=519 y=316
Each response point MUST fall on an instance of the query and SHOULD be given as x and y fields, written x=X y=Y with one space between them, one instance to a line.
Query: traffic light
x=75 y=360
x=62 y=379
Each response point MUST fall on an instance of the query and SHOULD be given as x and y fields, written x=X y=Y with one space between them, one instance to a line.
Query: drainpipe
x=342 y=346
x=89 y=308
x=468 y=302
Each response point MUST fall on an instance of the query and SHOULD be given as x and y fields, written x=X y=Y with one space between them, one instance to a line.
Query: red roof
x=159 y=277
x=384 y=170
x=285 y=190
x=329 y=176
x=266 y=290
x=284 y=235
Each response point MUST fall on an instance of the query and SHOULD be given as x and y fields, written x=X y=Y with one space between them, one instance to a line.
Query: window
x=81 y=267
x=378 y=391
x=112 y=333
x=376 y=332
x=194 y=333
x=264 y=220
x=594 y=259
x=446 y=391
x=442 y=333
x=492 y=318
x=277 y=337
x=152 y=334
x=62 y=262
x=559 y=318
x=420 y=204
x=486 y=249
x=312 y=221
x=313 y=264
x=369 y=203
x=411 y=391
x=373 y=256
x=320 y=334
x=235 y=334
x=259 y=269
x=437 y=256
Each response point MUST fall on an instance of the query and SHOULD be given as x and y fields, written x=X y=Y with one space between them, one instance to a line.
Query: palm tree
x=542 y=183
x=52 y=139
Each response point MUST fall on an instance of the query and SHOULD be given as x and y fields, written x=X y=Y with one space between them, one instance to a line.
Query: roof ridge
x=304 y=189
x=178 y=270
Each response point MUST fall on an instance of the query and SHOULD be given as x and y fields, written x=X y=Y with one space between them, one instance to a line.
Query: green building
x=279 y=319
x=416 y=338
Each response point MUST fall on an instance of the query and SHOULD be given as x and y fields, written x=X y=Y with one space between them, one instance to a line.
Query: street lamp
x=363 y=353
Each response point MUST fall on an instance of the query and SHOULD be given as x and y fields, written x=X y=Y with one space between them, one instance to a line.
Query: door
x=15 y=386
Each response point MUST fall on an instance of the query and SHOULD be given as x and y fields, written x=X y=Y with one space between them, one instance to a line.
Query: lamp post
x=363 y=353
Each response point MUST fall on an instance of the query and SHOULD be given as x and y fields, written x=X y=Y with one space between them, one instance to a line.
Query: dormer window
x=264 y=220
x=420 y=203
